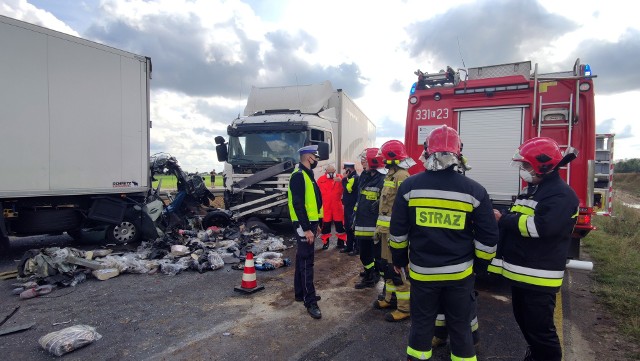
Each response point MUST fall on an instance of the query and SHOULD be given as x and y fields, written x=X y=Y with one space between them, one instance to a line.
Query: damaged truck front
x=262 y=149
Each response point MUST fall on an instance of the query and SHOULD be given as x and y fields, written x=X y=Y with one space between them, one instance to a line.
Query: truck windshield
x=265 y=147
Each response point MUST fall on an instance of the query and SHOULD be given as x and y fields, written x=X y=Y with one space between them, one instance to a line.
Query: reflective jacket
x=366 y=209
x=440 y=220
x=305 y=201
x=392 y=181
x=536 y=235
x=350 y=192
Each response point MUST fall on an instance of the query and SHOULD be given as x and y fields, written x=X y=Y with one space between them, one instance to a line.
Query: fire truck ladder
x=570 y=120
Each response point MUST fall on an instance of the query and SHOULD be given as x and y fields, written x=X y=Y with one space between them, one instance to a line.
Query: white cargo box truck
x=262 y=148
x=74 y=149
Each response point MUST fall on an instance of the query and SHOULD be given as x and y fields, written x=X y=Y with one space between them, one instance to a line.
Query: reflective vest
x=392 y=181
x=310 y=203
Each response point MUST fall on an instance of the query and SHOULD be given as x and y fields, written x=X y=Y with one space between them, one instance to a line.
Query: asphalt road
x=194 y=316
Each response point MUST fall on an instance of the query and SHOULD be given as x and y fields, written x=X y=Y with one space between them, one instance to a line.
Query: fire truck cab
x=495 y=108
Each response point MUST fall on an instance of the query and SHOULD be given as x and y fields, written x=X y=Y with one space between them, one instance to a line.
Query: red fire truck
x=495 y=108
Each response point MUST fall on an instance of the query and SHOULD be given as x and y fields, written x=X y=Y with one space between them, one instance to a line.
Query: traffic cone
x=249 y=283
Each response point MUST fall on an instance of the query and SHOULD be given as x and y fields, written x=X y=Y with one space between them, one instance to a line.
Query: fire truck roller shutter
x=490 y=137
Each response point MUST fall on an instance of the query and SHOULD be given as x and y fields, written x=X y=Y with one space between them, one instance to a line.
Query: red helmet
x=374 y=160
x=393 y=151
x=542 y=153
x=443 y=139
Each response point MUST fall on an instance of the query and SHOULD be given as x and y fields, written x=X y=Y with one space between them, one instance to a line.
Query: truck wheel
x=216 y=218
x=255 y=222
x=125 y=232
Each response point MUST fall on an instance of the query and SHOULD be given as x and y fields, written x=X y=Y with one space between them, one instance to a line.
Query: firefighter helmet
x=370 y=155
x=393 y=151
x=542 y=153
x=443 y=139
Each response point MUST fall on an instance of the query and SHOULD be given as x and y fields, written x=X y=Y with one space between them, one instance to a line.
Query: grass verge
x=615 y=250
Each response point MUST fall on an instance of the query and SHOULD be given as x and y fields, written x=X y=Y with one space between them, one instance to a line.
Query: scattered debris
x=68 y=339
x=105 y=273
x=15 y=329
x=60 y=323
x=8 y=275
x=7 y=317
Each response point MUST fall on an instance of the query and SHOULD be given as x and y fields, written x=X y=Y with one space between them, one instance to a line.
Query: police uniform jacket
x=536 y=235
x=440 y=220
x=350 y=191
x=297 y=189
x=366 y=209
x=392 y=181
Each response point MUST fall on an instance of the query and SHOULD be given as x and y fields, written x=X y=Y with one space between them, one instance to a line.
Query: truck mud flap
x=107 y=210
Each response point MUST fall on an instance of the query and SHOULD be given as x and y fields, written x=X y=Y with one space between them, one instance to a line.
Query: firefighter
x=349 y=198
x=396 y=289
x=366 y=215
x=535 y=239
x=305 y=208
x=439 y=219
x=330 y=185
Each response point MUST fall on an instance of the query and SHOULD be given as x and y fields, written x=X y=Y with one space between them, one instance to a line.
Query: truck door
x=490 y=138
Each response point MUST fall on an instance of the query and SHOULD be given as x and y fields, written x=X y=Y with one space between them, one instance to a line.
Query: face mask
x=313 y=164
x=329 y=175
x=526 y=176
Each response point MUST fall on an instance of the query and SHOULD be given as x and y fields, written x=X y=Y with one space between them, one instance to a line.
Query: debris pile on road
x=68 y=339
x=41 y=270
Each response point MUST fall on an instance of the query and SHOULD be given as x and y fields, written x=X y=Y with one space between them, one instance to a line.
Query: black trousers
x=303 y=277
x=456 y=299
x=351 y=238
x=533 y=311
x=369 y=252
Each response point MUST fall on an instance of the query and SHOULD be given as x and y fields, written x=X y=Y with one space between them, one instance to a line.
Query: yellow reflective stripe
x=390 y=287
x=484 y=255
x=456 y=358
x=494 y=269
x=420 y=355
x=522 y=209
x=522 y=225
x=369 y=195
x=403 y=295
x=399 y=182
x=538 y=281
x=382 y=223
x=369 y=266
x=389 y=184
x=576 y=214
x=398 y=245
x=364 y=233
x=440 y=218
x=441 y=203
x=440 y=323
x=441 y=277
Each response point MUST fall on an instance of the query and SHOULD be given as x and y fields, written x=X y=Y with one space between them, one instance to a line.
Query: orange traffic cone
x=249 y=282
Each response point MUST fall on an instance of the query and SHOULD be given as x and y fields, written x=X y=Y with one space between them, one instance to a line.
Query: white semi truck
x=74 y=146
x=262 y=149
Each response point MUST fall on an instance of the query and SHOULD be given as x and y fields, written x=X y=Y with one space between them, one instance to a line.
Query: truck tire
x=255 y=222
x=47 y=221
x=216 y=218
x=125 y=232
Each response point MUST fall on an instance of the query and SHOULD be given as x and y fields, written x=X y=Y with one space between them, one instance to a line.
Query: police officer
x=330 y=185
x=349 y=198
x=366 y=215
x=535 y=239
x=305 y=208
x=397 y=288
x=439 y=219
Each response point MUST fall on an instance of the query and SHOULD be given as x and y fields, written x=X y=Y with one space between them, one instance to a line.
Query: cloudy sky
x=208 y=53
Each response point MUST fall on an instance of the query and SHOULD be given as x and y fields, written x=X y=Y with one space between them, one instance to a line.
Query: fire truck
x=495 y=108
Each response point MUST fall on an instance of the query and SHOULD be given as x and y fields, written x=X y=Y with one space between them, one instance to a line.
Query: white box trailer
x=75 y=132
x=262 y=148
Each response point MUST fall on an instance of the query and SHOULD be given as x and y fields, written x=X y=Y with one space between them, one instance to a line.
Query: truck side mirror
x=222 y=153
x=219 y=140
x=323 y=150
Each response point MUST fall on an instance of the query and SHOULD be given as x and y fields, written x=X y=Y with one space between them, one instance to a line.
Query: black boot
x=368 y=281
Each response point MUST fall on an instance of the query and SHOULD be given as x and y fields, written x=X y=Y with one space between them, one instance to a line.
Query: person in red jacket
x=330 y=185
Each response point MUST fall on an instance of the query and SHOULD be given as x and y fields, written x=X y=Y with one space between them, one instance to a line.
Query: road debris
x=68 y=339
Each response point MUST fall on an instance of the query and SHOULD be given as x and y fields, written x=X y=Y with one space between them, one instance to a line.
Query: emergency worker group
x=427 y=236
